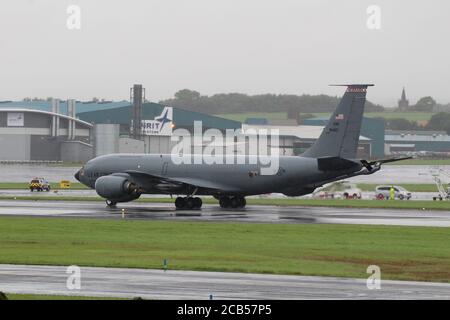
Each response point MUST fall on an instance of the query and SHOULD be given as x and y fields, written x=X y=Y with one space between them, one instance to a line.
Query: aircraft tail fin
x=340 y=136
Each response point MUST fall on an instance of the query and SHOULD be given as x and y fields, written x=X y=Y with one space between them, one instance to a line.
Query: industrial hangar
x=75 y=131
x=113 y=129
x=37 y=135
x=409 y=141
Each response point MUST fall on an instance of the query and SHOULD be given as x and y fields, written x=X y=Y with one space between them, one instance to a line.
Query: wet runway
x=159 y=284
x=262 y=214
x=366 y=195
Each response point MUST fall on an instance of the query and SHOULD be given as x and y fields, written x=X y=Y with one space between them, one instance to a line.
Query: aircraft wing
x=194 y=182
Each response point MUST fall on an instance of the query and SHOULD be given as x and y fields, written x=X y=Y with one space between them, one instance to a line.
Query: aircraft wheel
x=243 y=202
x=190 y=203
x=240 y=202
x=224 y=202
x=110 y=203
x=235 y=202
x=198 y=203
x=180 y=202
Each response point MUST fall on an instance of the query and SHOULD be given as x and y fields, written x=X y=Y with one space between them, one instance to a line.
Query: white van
x=383 y=192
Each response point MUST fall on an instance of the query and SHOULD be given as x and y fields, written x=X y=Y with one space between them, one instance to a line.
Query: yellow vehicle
x=39 y=184
x=64 y=184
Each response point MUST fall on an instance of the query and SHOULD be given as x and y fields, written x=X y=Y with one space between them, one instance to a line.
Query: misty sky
x=215 y=46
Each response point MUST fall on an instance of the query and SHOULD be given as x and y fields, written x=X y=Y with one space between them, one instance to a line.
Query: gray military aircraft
x=124 y=177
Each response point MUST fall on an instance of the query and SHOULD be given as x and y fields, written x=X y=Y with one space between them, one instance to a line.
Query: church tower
x=403 y=103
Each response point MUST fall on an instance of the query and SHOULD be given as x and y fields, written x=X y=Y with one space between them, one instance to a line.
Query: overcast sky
x=215 y=46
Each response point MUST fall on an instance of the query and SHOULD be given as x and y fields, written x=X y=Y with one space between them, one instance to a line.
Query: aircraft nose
x=77 y=175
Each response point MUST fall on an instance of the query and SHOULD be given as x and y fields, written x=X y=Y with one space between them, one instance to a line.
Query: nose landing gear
x=110 y=203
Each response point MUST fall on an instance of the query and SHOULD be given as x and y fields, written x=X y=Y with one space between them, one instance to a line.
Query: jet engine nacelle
x=116 y=188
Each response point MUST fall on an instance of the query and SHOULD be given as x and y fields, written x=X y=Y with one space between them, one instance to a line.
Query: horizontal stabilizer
x=392 y=160
x=370 y=164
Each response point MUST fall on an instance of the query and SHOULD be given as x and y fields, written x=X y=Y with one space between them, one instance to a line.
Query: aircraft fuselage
x=294 y=173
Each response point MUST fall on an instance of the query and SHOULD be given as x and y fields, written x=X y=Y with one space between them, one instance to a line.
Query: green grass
x=411 y=116
x=405 y=253
x=413 y=187
x=408 y=186
x=54 y=297
x=423 y=162
x=53 y=185
x=396 y=204
x=45 y=197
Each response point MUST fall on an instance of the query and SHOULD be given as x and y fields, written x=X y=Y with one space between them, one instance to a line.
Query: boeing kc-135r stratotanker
x=124 y=177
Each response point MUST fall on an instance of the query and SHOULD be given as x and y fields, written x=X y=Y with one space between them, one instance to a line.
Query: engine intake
x=116 y=188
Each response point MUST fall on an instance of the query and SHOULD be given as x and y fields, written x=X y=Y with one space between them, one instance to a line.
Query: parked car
x=323 y=195
x=383 y=192
x=350 y=191
x=39 y=184
x=340 y=189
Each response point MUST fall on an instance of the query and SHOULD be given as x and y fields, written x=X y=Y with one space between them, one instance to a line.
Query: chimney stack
x=137 y=96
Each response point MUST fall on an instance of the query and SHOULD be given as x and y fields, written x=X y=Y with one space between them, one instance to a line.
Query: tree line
x=438 y=122
x=242 y=103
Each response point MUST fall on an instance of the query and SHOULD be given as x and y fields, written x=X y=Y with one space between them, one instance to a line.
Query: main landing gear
x=232 y=202
x=188 y=203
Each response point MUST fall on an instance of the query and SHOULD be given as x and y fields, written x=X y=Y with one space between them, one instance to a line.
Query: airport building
x=37 y=135
x=294 y=140
x=116 y=138
x=76 y=131
x=414 y=141
x=109 y=130
x=372 y=136
x=113 y=129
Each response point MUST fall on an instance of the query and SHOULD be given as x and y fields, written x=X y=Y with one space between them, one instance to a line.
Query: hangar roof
x=182 y=118
x=47 y=113
x=417 y=138
x=81 y=106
